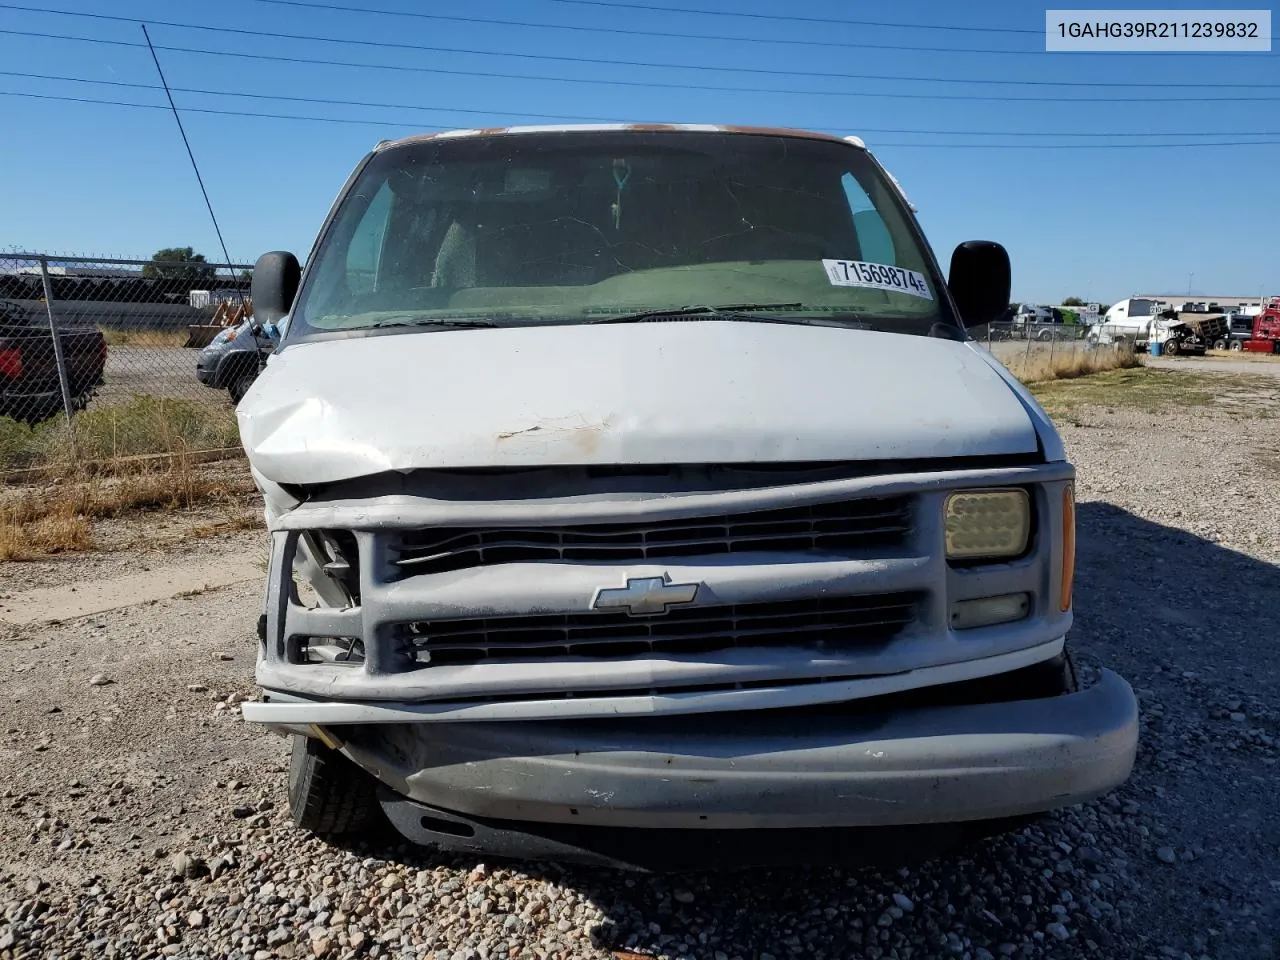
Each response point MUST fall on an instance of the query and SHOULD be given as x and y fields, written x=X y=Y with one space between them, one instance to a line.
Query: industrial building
x=1200 y=303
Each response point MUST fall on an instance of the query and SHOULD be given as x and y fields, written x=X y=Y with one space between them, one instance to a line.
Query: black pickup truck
x=29 y=387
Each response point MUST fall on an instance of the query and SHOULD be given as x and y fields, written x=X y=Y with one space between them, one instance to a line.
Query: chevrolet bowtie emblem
x=645 y=596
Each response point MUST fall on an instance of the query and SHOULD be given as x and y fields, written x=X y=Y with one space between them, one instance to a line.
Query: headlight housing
x=987 y=524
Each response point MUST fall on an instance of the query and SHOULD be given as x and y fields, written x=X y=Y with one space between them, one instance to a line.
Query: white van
x=637 y=496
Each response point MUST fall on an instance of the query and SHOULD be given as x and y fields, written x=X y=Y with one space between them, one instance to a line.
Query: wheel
x=1220 y=345
x=1171 y=348
x=1236 y=345
x=240 y=384
x=1044 y=335
x=328 y=794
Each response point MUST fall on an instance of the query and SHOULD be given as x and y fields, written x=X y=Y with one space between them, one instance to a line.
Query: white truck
x=1129 y=319
x=637 y=496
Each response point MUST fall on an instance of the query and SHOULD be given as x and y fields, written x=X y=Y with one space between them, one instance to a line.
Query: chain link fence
x=1045 y=350
x=104 y=358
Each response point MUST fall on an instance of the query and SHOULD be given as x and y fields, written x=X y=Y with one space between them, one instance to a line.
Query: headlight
x=987 y=523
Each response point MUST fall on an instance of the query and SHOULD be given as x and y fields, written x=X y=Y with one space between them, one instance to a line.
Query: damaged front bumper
x=573 y=790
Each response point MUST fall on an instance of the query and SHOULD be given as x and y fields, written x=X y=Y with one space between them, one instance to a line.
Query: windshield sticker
x=878 y=276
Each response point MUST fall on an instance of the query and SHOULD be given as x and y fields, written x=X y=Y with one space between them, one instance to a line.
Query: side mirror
x=275 y=283
x=979 y=280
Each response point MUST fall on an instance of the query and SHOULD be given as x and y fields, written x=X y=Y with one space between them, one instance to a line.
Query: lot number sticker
x=878 y=276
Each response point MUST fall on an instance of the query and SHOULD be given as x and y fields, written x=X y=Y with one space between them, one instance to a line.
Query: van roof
x=607 y=127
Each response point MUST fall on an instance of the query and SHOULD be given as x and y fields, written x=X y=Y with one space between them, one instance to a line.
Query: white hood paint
x=675 y=392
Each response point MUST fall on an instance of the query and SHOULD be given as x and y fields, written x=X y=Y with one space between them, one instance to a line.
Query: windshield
x=576 y=227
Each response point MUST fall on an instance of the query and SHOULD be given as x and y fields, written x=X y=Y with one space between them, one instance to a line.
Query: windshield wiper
x=429 y=322
x=732 y=311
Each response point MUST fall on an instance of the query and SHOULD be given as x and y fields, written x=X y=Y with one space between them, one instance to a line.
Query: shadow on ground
x=1193 y=627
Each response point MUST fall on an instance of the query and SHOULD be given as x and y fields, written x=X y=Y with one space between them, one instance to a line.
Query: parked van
x=637 y=496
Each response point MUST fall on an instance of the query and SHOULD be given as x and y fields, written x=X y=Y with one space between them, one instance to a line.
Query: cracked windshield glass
x=593 y=227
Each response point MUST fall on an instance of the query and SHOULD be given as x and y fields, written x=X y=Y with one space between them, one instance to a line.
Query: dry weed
x=1244 y=355
x=59 y=518
x=1041 y=367
x=144 y=338
x=59 y=530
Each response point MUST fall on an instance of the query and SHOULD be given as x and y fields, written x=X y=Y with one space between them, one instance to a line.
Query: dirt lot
x=139 y=817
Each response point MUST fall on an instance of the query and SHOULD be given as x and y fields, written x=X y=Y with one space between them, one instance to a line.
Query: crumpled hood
x=704 y=391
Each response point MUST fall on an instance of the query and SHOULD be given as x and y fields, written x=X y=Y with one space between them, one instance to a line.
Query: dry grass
x=1158 y=390
x=58 y=530
x=1042 y=367
x=1244 y=355
x=144 y=338
x=140 y=426
x=59 y=518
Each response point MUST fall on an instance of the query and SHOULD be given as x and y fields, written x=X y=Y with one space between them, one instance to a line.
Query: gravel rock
x=99 y=680
x=183 y=866
x=1166 y=855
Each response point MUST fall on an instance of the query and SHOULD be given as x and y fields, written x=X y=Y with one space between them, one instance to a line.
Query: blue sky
x=1100 y=223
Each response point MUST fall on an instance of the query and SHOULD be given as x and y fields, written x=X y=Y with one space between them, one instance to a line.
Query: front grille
x=830 y=624
x=871 y=523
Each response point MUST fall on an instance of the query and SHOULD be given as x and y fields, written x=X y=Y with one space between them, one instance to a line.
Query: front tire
x=328 y=794
x=240 y=384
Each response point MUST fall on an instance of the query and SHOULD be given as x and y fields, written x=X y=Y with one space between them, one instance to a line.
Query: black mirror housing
x=980 y=281
x=275 y=284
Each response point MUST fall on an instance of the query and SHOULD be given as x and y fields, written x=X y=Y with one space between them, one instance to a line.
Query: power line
x=210 y=110
x=423 y=48
x=187 y=143
x=382 y=105
x=648 y=84
x=378 y=123
x=633 y=32
x=788 y=18
x=438 y=17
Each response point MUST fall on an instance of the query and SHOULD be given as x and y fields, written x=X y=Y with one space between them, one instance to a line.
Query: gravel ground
x=139 y=817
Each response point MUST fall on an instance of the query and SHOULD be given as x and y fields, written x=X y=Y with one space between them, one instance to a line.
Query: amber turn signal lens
x=1068 y=545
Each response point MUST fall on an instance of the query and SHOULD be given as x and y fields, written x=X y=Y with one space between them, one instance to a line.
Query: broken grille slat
x=843 y=623
x=691 y=619
x=846 y=525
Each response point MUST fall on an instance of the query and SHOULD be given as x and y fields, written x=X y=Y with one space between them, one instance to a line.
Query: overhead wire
x=631 y=31
x=566 y=117
x=654 y=84
x=425 y=48
x=415 y=126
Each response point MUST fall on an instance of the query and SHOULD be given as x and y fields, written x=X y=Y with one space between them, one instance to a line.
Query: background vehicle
x=30 y=389
x=1240 y=329
x=1126 y=320
x=234 y=358
x=1187 y=335
x=1265 y=335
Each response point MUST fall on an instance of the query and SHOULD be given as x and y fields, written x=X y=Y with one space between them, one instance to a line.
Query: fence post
x=1053 y=342
x=58 y=358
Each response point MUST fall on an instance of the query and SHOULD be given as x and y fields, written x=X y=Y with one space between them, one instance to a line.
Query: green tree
x=181 y=264
x=1074 y=302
